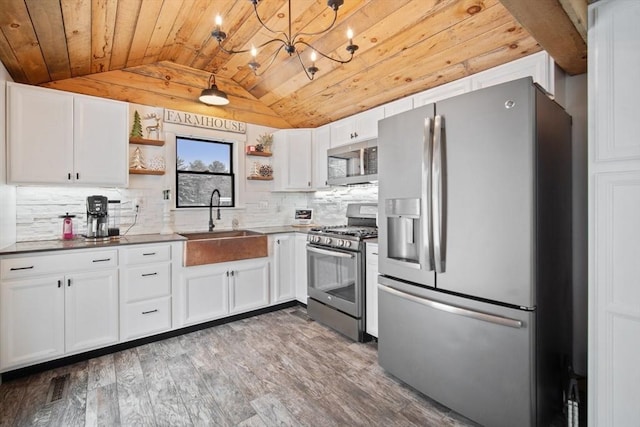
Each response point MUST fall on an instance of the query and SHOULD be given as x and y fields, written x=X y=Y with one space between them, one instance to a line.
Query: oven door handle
x=330 y=253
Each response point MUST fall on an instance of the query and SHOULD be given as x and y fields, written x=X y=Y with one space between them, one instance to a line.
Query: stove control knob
x=347 y=243
x=327 y=240
x=316 y=239
x=340 y=242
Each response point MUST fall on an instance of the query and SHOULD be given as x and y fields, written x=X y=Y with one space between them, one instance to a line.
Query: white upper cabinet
x=100 y=141
x=321 y=142
x=359 y=127
x=540 y=66
x=439 y=93
x=292 y=160
x=39 y=135
x=398 y=106
x=58 y=138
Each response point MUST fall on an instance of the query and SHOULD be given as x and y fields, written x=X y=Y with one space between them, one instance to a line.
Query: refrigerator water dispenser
x=403 y=228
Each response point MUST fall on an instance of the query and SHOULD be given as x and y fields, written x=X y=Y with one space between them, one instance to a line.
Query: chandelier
x=288 y=41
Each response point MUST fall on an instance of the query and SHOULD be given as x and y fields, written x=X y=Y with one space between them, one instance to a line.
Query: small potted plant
x=264 y=142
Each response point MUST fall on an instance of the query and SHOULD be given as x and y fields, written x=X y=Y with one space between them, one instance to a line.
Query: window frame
x=231 y=174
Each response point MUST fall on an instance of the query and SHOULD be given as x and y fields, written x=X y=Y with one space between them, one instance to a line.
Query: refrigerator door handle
x=426 y=253
x=436 y=194
x=460 y=311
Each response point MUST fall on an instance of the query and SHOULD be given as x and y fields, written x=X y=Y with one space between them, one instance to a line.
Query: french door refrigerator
x=475 y=252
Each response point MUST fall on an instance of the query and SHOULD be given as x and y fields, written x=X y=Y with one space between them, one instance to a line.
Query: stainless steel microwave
x=353 y=163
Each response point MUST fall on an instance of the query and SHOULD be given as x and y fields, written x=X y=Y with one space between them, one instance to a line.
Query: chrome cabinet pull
x=150 y=311
x=59 y=283
x=149 y=274
x=148 y=254
x=68 y=282
x=102 y=260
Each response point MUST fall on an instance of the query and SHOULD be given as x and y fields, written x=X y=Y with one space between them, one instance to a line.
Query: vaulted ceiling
x=161 y=52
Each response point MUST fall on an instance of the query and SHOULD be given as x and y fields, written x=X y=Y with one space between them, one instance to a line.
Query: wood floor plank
x=11 y=395
x=198 y=400
x=101 y=372
x=273 y=412
x=133 y=398
x=167 y=405
x=228 y=396
x=75 y=405
x=102 y=406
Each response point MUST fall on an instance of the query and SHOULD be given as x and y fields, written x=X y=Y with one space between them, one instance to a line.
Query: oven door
x=335 y=278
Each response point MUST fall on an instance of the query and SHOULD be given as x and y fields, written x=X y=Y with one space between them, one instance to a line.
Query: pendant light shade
x=213 y=95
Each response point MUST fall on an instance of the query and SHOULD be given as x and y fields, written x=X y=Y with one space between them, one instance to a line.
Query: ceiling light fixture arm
x=288 y=41
x=351 y=49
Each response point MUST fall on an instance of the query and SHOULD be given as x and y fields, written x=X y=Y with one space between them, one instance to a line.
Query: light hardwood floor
x=279 y=368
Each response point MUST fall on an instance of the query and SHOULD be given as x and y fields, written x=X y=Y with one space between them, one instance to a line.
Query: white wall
x=7 y=192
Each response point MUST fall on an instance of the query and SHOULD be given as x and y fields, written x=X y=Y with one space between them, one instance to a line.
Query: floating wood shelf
x=260 y=178
x=259 y=154
x=144 y=141
x=145 y=172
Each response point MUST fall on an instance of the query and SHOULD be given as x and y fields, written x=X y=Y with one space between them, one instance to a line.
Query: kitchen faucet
x=211 y=225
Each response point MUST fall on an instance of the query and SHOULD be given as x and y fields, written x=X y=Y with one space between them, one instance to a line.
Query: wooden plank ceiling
x=161 y=53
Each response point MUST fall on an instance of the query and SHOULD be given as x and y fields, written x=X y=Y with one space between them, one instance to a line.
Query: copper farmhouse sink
x=222 y=246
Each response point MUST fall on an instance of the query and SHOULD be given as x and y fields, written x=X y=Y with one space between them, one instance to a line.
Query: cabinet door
x=539 y=66
x=249 y=286
x=100 y=141
x=91 y=307
x=283 y=286
x=366 y=124
x=342 y=131
x=31 y=322
x=371 y=291
x=300 y=276
x=39 y=135
x=292 y=160
x=205 y=294
x=445 y=91
x=321 y=143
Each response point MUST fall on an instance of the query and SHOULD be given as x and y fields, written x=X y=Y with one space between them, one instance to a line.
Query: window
x=201 y=167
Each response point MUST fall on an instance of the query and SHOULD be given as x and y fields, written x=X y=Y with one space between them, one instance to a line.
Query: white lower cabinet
x=300 y=270
x=146 y=296
x=213 y=291
x=32 y=321
x=47 y=317
x=248 y=286
x=371 y=290
x=91 y=310
x=284 y=267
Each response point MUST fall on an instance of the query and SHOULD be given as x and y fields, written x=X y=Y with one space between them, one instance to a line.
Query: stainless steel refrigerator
x=475 y=252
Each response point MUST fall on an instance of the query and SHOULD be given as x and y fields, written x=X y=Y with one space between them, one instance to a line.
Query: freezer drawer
x=473 y=357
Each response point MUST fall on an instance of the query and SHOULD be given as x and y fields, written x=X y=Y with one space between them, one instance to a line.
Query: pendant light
x=213 y=95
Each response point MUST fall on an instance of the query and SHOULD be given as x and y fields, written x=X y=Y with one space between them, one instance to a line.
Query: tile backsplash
x=38 y=209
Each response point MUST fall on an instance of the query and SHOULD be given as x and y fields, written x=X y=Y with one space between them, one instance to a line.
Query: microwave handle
x=362 y=161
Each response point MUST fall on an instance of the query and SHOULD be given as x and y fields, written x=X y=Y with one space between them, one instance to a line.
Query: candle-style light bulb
x=313 y=57
x=218 y=21
x=254 y=51
x=350 y=35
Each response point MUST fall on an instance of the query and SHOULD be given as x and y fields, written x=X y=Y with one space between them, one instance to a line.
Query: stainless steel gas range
x=336 y=271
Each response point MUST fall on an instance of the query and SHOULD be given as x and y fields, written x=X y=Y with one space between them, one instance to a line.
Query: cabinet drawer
x=146 y=318
x=147 y=254
x=149 y=281
x=57 y=263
